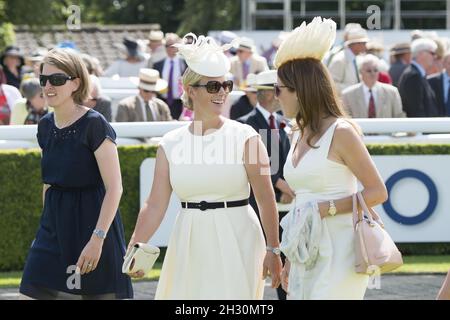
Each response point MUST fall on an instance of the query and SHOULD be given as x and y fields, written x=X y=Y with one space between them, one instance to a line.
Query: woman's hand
x=272 y=265
x=285 y=276
x=89 y=257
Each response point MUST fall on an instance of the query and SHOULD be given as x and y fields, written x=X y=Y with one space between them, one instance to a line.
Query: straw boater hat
x=246 y=44
x=156 y=35
x=356 y=35
x=400 y=48
x=149 y=80
x=250 y=83
x=311 y=40
x=204 y=56
x=266 y=80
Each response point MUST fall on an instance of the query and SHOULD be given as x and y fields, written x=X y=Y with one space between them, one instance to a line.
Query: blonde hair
x=189 y=78
x=71 y=63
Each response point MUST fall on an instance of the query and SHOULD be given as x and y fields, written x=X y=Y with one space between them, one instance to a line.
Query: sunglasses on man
x=56 y=79
x=214 y=86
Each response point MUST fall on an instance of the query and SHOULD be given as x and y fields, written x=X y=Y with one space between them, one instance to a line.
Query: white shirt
x=144 y=112
x=367 y=95
x=176 y=76
x=266 y=114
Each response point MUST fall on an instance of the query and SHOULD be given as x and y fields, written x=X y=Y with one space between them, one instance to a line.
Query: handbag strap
x=368 y=211
x=356 y=215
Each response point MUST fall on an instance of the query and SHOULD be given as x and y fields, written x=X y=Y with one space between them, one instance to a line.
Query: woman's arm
x=351 y=149
x=154 y=208
x=44 y=190
x=108 y=164
x=257 y=166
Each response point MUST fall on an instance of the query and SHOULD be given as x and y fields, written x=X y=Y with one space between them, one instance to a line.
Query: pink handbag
x=375 y=251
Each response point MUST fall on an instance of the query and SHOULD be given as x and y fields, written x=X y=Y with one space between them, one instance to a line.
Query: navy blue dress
x=71 y=210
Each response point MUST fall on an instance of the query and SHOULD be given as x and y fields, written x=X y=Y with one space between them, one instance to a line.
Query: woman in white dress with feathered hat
x=326 y=159
x=217 y=248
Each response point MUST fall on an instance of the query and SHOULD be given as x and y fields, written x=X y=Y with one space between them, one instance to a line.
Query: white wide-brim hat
x=266 y=80
x=356 y=35
x=149 y=80
x=204 y=56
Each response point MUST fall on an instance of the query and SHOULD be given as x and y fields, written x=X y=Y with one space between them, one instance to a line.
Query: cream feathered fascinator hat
x=204 y=56
x=311 y=40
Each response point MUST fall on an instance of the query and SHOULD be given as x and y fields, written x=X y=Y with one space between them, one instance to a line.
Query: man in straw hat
x=343 y=67
x=247 y=102
x=156 y=46
x=145 y=106
x=400 y=59
x=246 y=61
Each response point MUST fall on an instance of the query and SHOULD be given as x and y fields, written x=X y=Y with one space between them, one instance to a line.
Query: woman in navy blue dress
x=80 y=245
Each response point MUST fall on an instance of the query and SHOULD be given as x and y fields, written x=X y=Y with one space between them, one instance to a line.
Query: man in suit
x=371 y=98
x=171 y=69
x=145 y=106
x=343 y=66
x=246 y=103
x=418 y=98
x=156 y=47
x=401 y=58
x=440 y=84
x=246 y=61
x=271 y=126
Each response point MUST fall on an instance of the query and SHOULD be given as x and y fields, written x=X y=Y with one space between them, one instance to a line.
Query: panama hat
x=150 y=80
x=266 y=80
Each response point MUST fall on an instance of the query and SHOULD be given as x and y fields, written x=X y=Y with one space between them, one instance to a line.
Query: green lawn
x=12 y=279
x=413 y=264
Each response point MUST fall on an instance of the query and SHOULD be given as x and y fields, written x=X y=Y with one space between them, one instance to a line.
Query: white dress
x=212 y=254
x=316 y=178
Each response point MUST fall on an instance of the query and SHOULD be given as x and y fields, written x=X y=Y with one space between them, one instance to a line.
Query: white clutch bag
x=141 y=256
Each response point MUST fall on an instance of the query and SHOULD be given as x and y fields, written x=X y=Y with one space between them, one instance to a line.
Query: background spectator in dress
x=12 y=62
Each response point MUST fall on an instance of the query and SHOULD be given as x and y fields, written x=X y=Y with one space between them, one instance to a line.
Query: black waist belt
x=203 y=205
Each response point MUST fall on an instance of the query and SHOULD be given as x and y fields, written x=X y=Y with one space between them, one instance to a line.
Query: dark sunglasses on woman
x=56 y=79
x=278 y=90
x=214 y=86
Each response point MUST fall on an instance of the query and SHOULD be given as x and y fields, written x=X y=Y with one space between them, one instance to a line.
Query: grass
x=412 y=265
x=12 y=279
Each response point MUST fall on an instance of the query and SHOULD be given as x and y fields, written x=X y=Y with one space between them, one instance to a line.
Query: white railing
x=437 y=129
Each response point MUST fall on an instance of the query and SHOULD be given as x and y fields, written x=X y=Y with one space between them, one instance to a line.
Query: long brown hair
x=316 y=93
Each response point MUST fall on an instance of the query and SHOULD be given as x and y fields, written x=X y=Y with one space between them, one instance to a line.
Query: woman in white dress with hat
x=326 y=159
x=217 y=248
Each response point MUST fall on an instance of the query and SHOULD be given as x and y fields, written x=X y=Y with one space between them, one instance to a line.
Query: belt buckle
x=203 y=205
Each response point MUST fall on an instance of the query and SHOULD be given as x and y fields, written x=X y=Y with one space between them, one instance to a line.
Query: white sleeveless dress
x=316 y=178
x=212 y=254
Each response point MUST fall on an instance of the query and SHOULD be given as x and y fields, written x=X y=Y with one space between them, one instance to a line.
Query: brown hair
x=71 y=63
x=316 y=93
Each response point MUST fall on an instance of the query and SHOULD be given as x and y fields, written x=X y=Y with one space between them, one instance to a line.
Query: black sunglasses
x=56 y=79
x=214 y=86
x=278 y=90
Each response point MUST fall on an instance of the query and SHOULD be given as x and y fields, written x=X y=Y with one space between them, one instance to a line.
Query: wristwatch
x=332 y=209
x=100 y=233
x=276 y=250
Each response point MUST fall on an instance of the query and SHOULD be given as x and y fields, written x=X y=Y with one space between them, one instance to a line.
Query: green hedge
x=21 y=197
